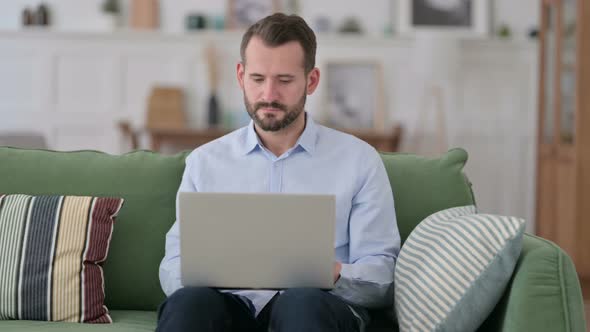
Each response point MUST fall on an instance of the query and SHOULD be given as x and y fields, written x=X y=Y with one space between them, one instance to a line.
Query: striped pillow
x=453 y=269
x=51 y=252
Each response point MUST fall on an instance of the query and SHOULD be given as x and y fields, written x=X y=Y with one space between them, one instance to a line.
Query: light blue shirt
x=323 y=161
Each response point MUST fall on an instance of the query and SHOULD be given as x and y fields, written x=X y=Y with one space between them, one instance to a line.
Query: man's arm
x=374 y=241
x=170 y=265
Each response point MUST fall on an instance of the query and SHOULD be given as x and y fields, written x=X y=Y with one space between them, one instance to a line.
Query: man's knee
x=308 y=309
x=195 y=297
x=300 y=296
x=192 y=307
x=193 y=301
x=308 y=302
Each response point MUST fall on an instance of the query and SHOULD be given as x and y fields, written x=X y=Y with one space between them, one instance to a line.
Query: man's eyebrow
x=280 y=76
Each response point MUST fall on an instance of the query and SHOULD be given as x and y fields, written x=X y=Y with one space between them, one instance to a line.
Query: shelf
x=236 y=35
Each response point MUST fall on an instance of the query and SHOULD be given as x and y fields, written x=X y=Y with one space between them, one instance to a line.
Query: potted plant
x=111 y=10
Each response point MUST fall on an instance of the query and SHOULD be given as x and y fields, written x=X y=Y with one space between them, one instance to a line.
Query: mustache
x=273 y=104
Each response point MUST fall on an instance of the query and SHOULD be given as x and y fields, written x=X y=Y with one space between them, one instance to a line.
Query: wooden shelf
x=234 y=36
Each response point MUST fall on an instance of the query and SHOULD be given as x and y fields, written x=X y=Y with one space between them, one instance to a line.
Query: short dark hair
x=279 y=29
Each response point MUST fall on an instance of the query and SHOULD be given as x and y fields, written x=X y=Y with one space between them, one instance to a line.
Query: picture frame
x=243 y=13
x=466 y=18
x=354 y=96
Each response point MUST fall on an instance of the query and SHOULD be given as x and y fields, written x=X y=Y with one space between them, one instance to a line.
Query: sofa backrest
x=149 y=182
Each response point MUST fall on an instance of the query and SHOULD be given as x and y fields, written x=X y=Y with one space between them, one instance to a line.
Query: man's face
x=274 y=83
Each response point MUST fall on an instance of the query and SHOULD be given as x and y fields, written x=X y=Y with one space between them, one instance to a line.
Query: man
x=283 y=150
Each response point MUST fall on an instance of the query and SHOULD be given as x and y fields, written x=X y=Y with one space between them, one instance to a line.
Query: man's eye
x=285 y=81
x=258 y=80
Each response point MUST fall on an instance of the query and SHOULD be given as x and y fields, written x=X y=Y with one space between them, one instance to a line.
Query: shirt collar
x=307 y=140
x=252 y=141
x=309 y=137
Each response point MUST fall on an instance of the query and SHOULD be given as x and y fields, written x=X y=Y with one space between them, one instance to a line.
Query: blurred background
x=502 y=79
x=499 y=78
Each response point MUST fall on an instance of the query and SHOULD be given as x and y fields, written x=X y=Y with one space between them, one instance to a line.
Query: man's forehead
x=257 y=43
x=278 y=72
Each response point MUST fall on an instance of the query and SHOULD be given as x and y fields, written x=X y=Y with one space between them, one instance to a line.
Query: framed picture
x=464 y=17
x=354 y=96
x=243 y=13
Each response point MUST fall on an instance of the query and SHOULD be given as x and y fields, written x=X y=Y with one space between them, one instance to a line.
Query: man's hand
x=337 y=269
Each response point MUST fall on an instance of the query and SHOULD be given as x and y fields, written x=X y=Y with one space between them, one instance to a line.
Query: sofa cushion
x=454 y=268
x=52 y=249
x=422 y=186
x=147 y=181
x=123 y=321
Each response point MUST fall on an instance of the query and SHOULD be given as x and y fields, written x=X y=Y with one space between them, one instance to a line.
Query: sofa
x=543 y=293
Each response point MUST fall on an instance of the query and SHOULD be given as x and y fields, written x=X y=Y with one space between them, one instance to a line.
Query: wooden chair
x=129 y=134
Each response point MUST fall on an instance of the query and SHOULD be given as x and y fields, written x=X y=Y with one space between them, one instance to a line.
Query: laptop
x=256 y=241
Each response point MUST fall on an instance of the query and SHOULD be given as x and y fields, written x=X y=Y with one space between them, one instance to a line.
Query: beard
x=272 y=121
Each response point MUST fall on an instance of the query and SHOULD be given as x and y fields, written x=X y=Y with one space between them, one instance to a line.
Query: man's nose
x=270 y=92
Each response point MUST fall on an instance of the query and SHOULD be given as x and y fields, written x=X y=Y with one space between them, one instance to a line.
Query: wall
x=74 y=87
x=75 y=14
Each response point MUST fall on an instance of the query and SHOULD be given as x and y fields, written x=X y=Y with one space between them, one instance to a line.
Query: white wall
x=78 y=14
x=74 y=87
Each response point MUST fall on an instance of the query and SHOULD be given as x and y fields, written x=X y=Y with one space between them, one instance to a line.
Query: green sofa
x=543 y=295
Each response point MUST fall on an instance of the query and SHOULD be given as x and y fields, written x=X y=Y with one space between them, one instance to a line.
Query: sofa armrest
x=544 y=293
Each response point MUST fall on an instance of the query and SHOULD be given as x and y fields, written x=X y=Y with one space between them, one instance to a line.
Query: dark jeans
x=297 y=309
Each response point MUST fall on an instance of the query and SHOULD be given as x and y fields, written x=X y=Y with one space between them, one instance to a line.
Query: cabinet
x=563 y=158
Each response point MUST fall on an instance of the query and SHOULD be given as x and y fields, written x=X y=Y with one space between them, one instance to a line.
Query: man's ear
x=240 y=70
x=313 y=80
